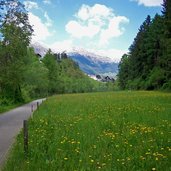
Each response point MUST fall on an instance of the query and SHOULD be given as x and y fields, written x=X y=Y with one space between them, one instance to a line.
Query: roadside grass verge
x=113 y=131
x=6 y=108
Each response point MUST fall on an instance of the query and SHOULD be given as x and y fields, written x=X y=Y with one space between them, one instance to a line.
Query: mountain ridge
x=90 y=63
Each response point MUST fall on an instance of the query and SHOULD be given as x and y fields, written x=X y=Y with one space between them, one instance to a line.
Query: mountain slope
x=93 y=67
x=88 y=62
x=39 y=49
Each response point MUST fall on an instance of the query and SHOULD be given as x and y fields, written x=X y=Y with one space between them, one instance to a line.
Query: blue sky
x=105 y=27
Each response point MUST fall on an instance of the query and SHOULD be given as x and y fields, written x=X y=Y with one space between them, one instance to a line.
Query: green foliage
x=6 y=105
x=124 y=131
x=15 y=37
x=36 y=81
x=23 y=75
x=124 y=74
x=65 y=76
x=156 y=78
x=167 y=85
x=149 y=61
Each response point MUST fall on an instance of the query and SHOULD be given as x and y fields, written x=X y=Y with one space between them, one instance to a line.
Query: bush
x=167 y=85
x=5 y=102
x=156 y=79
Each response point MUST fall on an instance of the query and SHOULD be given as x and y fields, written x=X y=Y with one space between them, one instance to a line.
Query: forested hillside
x=23 y=75
x=148 y=64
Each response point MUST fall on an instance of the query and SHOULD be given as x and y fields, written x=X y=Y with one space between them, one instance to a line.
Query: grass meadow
x=113 y=131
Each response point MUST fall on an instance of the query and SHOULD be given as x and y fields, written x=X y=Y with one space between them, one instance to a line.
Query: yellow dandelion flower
x=92 y=160
x=147 y=153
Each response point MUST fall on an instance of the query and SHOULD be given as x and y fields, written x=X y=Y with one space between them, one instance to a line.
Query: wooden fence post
x=31 y=108
x=37 y=105
x=25 y=130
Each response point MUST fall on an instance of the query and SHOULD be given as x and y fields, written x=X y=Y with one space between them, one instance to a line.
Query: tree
x=166 y=62
x=51 y=61
x=16 y=34
x=124 y=71
x=35 y=83
x=138 y=50
x=149 y=61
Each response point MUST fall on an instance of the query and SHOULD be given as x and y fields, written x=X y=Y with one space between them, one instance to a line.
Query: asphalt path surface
x=11 y=123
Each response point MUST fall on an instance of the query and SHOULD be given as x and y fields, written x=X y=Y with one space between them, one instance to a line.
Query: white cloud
x=114 y=54
x=78 y=30
x=149 y=3
x=96 y=20
x=86 y=12
x=41 y=31
x=48 y=20
x=113 y=30
x=60 y=46
x=83 y=12
x=30 y=5
x=47 y=2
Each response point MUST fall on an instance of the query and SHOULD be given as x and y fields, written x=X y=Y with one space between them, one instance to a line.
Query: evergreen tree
x=166 y=62
x=124 y=71
x=154 y=73
x=149 y=61
x=138 y=49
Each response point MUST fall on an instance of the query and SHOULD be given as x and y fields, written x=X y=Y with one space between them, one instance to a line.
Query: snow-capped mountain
x=93 y=64
x=39 y=49
x=91 y=55
x=90 y=63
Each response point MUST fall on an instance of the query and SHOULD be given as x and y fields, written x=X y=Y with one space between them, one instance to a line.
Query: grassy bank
x=99 y=131
x=5 y=108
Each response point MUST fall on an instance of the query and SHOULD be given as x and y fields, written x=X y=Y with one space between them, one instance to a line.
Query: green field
x=115 y=131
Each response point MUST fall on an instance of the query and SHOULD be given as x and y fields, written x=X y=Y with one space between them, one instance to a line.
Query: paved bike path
x=11 y=123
